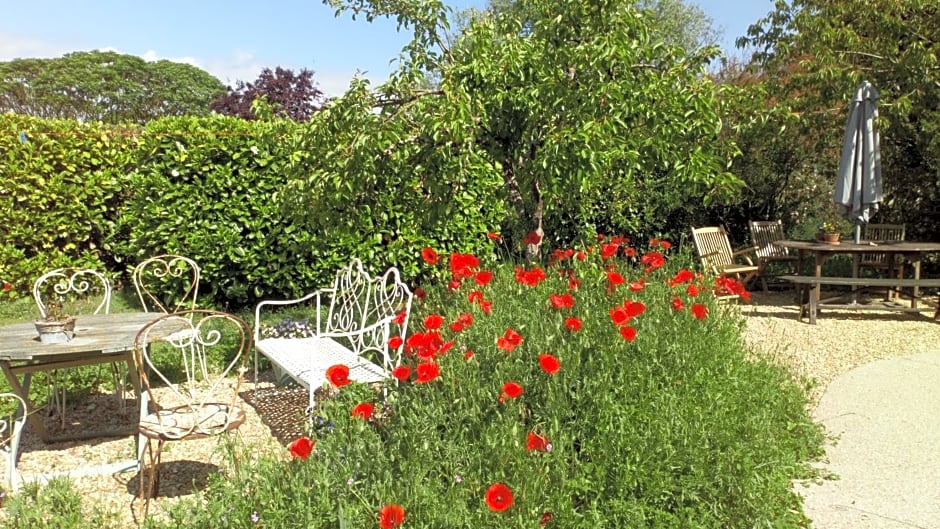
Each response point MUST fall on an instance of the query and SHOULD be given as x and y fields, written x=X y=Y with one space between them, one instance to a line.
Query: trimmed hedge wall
x=216 y=189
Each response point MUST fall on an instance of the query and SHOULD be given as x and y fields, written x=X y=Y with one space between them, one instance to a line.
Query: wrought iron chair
x=189 y=400
x=763 y=234
x=74 y=291
x=167 y=283
x=879 y=262
x=11 y=427
x=715 y=253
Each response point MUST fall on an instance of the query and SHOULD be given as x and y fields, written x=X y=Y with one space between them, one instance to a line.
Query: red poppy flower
x=401 y=373
x=629 y=251
x=530 y=278
x=429 y=256
x=487 y=307
x=580 y=256
x=7 y=286
x=391 y=516
x=609 y=250
x=453 y=285
x=637 y=286
x=301 y=447
x=465 y=319
x=614 y=278
x=483 y=277
x=665 y=245
x=395 y=342
x=545 y=518
x=692 y=291
x=699 y=311
x=549 y=363
x=561 y=301
x=683 y=276
x=652 y=260
x=494 y=236
x=433 y=322
x=400 y=318
x=468 y=355
x=573 y=324
x=498 y=497
x=363 y=410
x=463 y=264
x=509 y=340
x=537 y=442
x=619 y=316
x=532 y=238
x=455 y=326
x=475 y=296
x=677 y=303
x=427 y=371
x=420 y=293
x=512 y=390
x=338 y=375
x=634 y=308
x=628 y=333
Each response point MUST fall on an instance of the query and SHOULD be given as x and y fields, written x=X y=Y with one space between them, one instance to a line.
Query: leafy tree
x=813 y=54
x=583 y=118
x=291 y=95
x=105 y=86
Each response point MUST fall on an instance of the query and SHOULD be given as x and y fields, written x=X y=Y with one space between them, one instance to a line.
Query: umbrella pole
x=858 y=233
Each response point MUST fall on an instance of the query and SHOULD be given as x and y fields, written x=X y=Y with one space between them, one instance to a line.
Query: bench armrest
x=318 y=298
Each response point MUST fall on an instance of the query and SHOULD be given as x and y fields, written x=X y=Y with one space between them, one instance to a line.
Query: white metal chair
x=11 y=427
x=763 y=235
x=196 y=402
x=74 y=291
x=167 y=283
x=715 y=253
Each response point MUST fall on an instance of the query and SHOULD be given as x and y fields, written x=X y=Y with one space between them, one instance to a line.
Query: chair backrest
x=763 y=234
x=712 y=246
x=359 y=301
x=174 y=355
x=167 y=283
x=880 y=232
x=72 y=290
x=11 y=427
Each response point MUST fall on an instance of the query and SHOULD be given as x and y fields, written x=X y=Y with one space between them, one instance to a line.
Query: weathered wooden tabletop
x=94 y=333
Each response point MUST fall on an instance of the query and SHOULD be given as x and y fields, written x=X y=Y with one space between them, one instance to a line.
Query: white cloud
x=13 y=46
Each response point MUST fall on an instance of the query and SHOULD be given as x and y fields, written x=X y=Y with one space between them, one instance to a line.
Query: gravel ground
x=817 y=353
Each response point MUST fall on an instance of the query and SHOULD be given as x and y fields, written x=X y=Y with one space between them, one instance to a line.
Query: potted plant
x=829 y=233
x=57 y=326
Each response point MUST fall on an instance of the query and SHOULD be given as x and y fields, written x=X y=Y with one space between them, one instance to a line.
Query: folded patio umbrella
x=858 y=189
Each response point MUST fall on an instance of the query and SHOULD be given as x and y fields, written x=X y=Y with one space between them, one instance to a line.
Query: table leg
x=23 y=391
x=915 y=262
x=814 y=293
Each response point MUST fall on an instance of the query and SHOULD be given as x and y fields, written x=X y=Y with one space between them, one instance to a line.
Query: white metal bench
x=349 y=323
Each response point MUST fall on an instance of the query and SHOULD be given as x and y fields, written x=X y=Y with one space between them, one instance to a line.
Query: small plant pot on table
x=56 y=331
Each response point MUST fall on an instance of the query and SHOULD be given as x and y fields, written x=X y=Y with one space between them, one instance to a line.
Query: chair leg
x=152 y=488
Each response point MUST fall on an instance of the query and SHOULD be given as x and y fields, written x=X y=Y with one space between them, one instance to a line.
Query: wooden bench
x=815 y=303
x=349 y=323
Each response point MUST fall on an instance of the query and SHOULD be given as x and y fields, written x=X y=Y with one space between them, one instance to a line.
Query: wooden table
x=913 y=251
x=99 y=338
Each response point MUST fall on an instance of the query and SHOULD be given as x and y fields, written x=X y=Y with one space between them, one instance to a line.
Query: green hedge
x=61 y=186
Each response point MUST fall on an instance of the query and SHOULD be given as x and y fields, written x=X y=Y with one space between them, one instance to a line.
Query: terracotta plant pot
x=56 y=331
x=828 y=238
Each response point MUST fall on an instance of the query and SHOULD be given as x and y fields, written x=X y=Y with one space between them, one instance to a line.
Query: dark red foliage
x=293 y=96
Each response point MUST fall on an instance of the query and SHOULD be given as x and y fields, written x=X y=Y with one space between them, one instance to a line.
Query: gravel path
x=817 y=353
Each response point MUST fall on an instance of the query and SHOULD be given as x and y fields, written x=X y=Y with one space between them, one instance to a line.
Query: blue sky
x=235 y=39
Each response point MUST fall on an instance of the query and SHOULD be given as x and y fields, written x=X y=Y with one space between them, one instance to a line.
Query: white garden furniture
x=349 y=323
